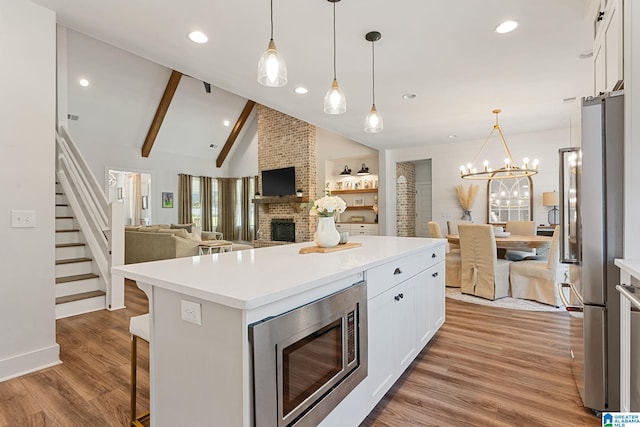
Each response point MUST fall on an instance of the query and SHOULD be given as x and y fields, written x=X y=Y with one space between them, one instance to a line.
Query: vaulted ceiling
x=445 y=52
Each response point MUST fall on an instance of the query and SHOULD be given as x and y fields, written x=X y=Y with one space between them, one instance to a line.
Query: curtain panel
x=227 y=207
x=206 y=202
x=184 y=199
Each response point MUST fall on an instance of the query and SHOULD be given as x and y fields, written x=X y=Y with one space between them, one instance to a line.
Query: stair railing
x=101 y=222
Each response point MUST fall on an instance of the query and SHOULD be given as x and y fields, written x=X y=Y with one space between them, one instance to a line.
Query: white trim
x=26 y=363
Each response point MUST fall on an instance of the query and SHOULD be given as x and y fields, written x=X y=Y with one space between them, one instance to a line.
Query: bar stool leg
x=135 y=419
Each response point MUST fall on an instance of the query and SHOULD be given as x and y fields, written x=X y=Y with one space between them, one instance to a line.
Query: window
x=196 y=207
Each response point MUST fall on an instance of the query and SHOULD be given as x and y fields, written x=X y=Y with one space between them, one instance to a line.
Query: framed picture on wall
x=358 y=201
x=167 y=200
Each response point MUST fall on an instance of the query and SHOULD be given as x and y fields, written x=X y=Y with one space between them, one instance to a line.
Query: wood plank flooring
x=485 y=367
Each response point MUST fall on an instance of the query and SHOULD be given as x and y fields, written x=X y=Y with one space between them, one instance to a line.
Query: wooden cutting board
x=312 y=249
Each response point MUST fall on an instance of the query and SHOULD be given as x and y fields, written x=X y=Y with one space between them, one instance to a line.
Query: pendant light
x=272 y=70
x=373 y=121
x=334 y=100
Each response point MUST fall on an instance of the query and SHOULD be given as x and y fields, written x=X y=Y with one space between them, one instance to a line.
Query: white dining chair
x=482 y=273
x=537 y=280
x=520 y=228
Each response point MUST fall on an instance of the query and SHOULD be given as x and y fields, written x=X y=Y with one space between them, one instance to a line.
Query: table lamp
x=551 y=199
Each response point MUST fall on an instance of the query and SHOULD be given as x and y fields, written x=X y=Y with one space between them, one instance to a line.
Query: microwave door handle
x=567 y=304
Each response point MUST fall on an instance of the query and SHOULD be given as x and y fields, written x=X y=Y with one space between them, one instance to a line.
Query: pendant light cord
x=334 y=40
x=373 y=72
x=271 y=19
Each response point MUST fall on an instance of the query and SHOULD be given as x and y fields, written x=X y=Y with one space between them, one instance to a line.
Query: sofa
x=163 y=241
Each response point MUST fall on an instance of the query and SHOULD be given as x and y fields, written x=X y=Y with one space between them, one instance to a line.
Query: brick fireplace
x=285 y=141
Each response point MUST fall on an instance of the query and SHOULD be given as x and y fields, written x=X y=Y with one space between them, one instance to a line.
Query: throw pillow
x=196 y=233
x=187 y=227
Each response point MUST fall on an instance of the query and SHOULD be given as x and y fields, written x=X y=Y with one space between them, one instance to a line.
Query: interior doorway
x=133 y=189
x=414 y=198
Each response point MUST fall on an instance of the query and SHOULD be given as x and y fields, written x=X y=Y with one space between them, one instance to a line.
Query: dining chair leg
x=135 y=419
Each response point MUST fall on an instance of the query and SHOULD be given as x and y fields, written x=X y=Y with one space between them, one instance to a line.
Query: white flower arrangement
x=328 y=206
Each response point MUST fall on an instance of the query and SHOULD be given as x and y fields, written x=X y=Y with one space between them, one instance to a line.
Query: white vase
x=326 y=235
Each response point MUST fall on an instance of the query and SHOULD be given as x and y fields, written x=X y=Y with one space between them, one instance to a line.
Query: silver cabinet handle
x=397 y=271
x=568 y=306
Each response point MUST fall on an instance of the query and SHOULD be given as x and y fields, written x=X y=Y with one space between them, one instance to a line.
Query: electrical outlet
x=191 y=312
x=23 y=219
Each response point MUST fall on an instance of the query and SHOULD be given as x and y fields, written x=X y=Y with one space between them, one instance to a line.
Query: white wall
x=446 y=160
x=117 y=108
x=27 y=119
x=243 y=158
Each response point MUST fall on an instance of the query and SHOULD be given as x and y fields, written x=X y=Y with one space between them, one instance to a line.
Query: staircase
x=78 y=288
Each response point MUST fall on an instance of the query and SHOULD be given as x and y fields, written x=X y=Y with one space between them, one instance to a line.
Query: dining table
x=513 y=241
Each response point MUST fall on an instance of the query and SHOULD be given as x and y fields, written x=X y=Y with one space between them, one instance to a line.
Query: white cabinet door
x=381 y=376
x=613 y=45
x=429 y=303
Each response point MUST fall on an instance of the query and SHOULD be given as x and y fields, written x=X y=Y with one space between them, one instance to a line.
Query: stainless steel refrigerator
x=591 y=225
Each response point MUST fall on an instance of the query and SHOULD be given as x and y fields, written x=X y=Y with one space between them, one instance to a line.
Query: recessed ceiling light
x=301 y=90
x=506 y=27
x=226 y=123
x=453 y=136
x=84 y=82
x=409 y=96
x=198 y=37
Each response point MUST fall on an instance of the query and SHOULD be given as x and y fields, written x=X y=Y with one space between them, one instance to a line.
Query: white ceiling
x=446 y=52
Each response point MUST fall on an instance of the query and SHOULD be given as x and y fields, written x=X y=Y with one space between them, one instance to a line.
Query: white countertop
x=251 y=278
x=631 y=266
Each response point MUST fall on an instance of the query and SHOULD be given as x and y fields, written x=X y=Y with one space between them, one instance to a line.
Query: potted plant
x=299 y=192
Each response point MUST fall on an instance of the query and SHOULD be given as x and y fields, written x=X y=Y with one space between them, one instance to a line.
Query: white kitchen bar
x=202 y=374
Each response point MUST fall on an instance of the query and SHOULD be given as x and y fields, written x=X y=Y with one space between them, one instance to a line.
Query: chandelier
x=509 y=170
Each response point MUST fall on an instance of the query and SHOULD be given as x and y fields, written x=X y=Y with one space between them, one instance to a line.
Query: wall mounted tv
x=279 y=182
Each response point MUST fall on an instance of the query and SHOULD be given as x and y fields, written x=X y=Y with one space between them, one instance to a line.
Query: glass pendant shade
x=373 y=121
x=334 y=100
x=272 y=70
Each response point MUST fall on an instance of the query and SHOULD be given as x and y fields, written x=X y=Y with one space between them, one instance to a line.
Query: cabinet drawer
x=371 y=228
x=343 y=227
x=387 y=275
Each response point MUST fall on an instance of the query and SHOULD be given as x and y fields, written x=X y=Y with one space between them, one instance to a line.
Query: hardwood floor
x=485 y=367
x=489 y=367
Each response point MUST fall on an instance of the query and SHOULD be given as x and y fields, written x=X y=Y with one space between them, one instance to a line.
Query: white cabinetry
x=406 y=308
x=356 y=229
x=607 y=46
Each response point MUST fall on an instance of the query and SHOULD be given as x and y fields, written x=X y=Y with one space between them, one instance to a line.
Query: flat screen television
x=279 y=182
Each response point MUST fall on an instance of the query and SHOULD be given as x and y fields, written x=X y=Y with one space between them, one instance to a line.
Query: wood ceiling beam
x=235 y=132
x=169 y=91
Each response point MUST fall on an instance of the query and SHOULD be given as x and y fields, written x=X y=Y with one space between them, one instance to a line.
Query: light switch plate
x=23 y=219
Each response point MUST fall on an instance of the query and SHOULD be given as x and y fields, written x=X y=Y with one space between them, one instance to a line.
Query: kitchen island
x=200 y=357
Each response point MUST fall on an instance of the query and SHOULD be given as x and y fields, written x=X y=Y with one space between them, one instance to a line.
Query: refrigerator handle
x=573 y=290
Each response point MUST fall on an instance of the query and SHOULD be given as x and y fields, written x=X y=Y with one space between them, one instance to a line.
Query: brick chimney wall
x=285 y=141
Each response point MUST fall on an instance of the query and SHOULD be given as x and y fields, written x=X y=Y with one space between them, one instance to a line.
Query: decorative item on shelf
x=509 y=170
x=364 y=170
x=299 y=192
x=552 y=199
x=346 y=171
x=466 y=199
x=325 y=209
x=339 y=185
x=373 y=121
x=334 y=100
x=375 y=210
x=272 y=70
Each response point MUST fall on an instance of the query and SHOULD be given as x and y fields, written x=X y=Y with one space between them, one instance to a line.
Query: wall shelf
x=366 y=190
x=294 y=201
x=359 y=208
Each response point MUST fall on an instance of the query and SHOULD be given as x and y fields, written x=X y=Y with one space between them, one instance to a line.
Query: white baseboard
x=26 y=363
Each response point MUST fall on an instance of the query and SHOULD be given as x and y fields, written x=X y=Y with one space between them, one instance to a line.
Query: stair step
x=68 y=230
x=59 y=194
x=69 y=245
x=78 y=297
x=76 y=277
x=61 y=204
x=64 y=217
x=72 y=260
